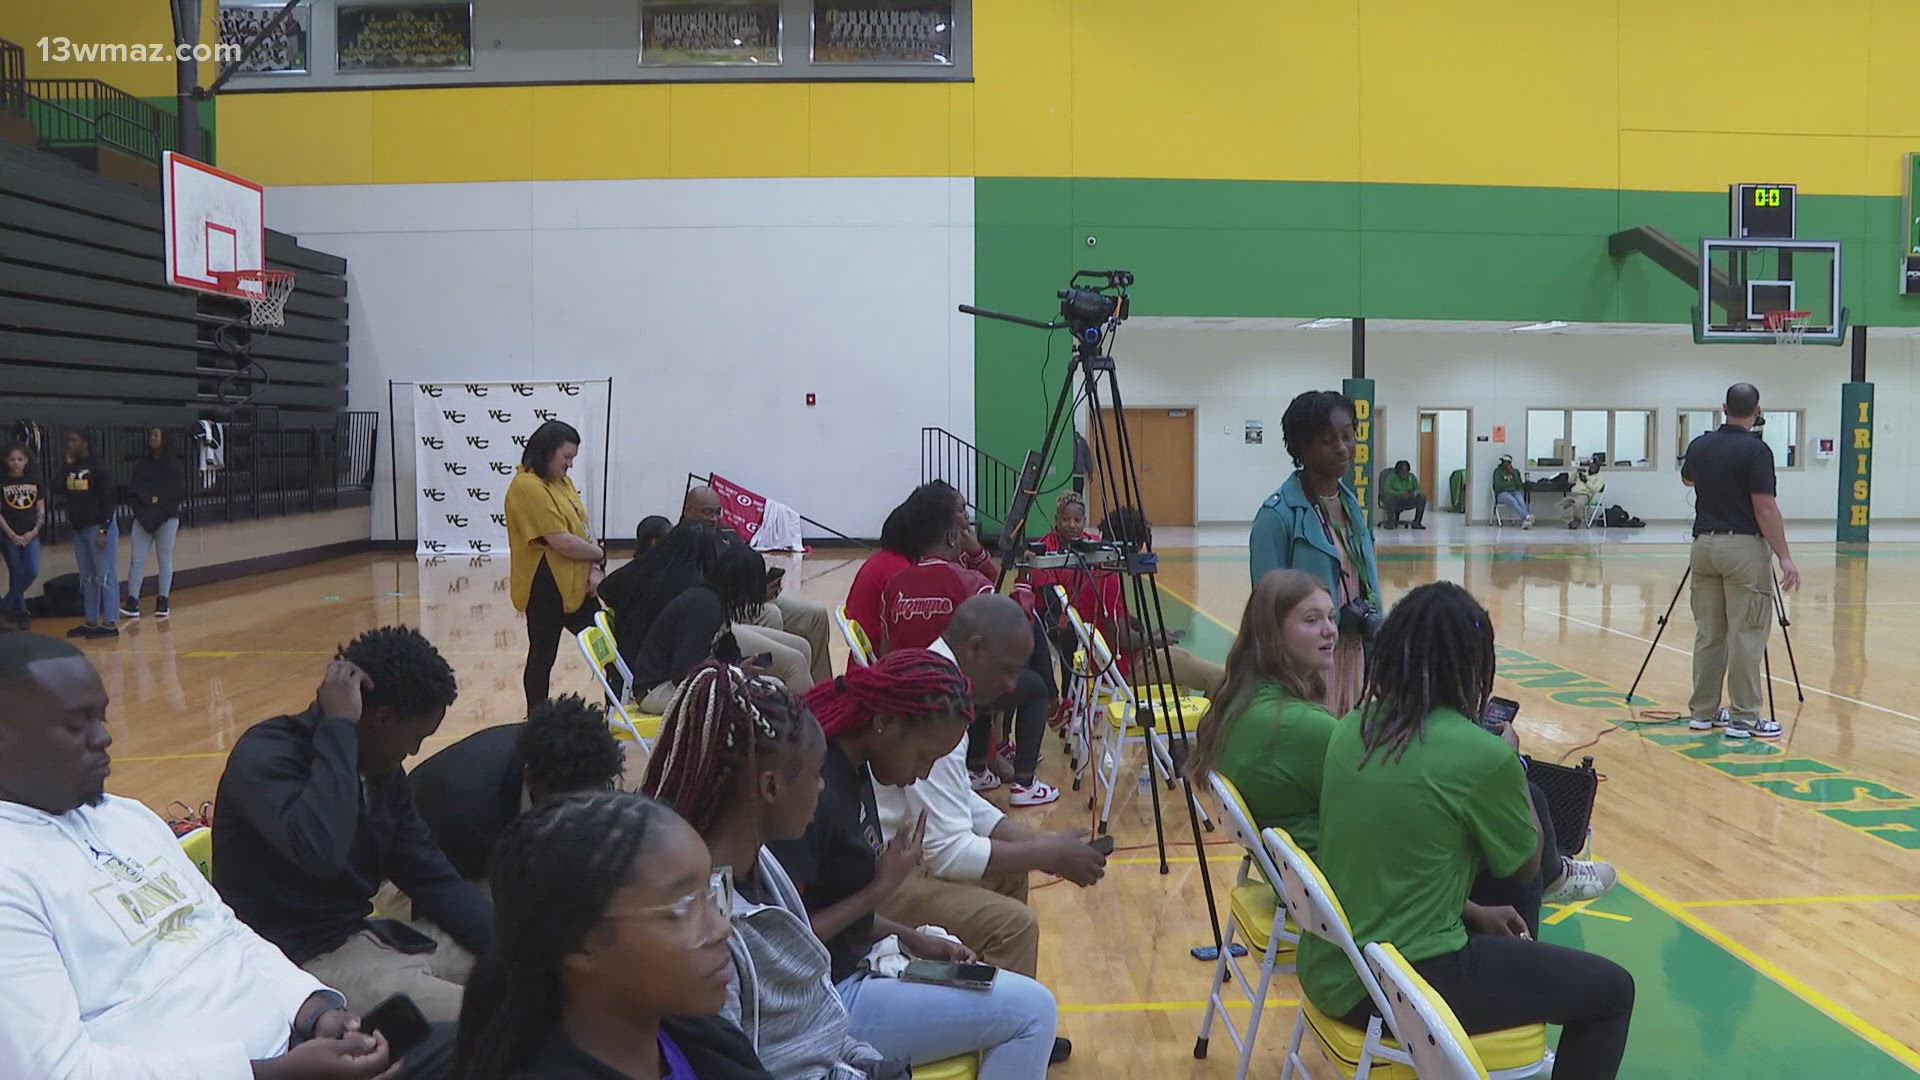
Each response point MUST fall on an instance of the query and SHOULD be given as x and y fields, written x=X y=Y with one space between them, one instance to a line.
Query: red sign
x=740 y=510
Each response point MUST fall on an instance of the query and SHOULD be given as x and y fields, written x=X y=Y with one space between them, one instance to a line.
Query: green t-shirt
x=1273 y=753
x=1392 y=483
x=1508 y=480
x=1401 y=841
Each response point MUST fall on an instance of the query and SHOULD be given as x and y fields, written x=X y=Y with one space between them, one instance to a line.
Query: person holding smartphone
x=314 y=812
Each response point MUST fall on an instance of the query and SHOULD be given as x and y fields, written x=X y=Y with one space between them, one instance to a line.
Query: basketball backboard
x=215 y=221
x=1741 y=280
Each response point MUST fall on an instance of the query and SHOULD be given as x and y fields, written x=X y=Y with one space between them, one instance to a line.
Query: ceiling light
x=1550 y=324
x=1323 y=323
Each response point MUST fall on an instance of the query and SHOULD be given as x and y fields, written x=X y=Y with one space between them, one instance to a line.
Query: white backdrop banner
x=468 y=438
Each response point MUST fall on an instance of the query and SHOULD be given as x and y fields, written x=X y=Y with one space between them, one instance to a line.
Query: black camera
x=1361 y=616
x=1082 y=307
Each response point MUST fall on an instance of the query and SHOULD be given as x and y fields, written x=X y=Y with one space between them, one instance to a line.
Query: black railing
x=13 y=79
x=88 y=112
x=987 y=482
x=261 y=470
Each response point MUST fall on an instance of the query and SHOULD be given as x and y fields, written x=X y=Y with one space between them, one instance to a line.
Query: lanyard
x=1345 y=539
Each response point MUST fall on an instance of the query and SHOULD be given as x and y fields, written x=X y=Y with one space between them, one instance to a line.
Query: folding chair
x=1254 y=907
x=859 y=646
x=1438 y=1044
x=605 y=623
x=597 y=646
x=198 y=846
x=1511 y=1054
x=1596 y=513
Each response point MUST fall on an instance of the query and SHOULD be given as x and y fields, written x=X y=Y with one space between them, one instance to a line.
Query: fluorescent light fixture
x=1550 y=324
x=1323 y=323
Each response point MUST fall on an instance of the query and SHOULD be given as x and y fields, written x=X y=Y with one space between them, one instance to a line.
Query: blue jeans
x=23 y=567
x=1515 y=502
x=1010 y=1026
x=161 y=540
x=99 y=572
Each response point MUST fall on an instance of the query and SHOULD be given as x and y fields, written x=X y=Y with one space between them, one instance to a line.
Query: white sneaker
x=1038 y=793
x=983 y=779
x=1527 y=524
x=1758 y=728
x=1719 y=720
x=1580 y=880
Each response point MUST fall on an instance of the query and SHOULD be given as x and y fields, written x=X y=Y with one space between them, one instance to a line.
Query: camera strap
x=1343 y=538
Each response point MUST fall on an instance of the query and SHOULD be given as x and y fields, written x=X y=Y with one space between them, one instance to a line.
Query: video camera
x=1082 y=306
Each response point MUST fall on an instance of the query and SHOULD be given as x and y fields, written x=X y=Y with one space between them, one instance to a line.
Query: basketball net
x=1789 y=327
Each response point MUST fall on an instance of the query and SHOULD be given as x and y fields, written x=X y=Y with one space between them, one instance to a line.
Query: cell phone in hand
x=401 y=1021
x=1102 y=844
x=764 y=660
x=1499 y=713
x=950 y=973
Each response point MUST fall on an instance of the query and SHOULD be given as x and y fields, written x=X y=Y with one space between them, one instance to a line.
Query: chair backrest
x=597 y=646
x=1316 y=910
x=1240 y=820
x=604 y=623
x=198 y=846
x=1428 y=1030
x=859 y=645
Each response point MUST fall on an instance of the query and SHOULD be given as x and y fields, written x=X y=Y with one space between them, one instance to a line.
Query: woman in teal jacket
x=1315 y=523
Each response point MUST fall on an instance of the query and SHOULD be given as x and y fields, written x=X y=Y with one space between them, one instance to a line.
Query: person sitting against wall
x=1510 y=490
x=701 y=624
x=1416 y=801
x=781 y=612
x=156 y=485
x=1399 y=493
x=23 y=513
x=1267 y=732
x=1315 y=523
x=93 y=509
x=1588 y=486
x=610 y=953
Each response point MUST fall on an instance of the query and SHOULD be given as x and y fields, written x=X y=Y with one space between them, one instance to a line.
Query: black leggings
x=545 y=620
x=1032 y=698
x=1523 y=894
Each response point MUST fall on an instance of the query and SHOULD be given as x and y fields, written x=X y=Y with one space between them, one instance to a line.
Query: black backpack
x=1618 y=518
x=59 y=599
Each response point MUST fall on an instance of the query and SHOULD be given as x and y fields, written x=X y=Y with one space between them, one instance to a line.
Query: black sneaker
x=83 y=630
x=1062 y=1050
x=129 y=608
x=109 y=630
x=160 y=608
x=25 y=621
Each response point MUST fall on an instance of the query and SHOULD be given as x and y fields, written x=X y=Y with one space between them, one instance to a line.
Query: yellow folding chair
x=1431 y=1033
x=1253 y=907
x=597 y=646
x=960 y=1068
x=605 y=623
x=859 y=646
x=1377 y=1051
x=198 y=846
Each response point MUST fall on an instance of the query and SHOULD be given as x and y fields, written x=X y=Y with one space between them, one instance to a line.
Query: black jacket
x=301 y=842
x=87 y=492
x=155 y=485
x=715 y=1049
x=468 y=794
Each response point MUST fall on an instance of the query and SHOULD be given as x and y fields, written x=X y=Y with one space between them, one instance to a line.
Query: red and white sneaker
x=1038 y=793
x=983 y=779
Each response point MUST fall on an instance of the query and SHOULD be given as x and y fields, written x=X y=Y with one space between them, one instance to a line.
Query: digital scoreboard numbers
x=1763 y=211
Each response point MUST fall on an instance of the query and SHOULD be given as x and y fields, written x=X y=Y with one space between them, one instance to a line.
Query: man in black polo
x=1736 y=524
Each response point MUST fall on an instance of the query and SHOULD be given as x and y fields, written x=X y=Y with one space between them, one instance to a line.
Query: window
x=1559 y=437
x=1784 y=432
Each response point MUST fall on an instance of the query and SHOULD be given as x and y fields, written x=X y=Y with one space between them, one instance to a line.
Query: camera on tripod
x=1082 y=306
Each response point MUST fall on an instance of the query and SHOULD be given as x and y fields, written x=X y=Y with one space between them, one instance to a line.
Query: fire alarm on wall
x=810 y=401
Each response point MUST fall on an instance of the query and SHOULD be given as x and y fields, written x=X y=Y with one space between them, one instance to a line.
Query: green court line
x=1701 y=1010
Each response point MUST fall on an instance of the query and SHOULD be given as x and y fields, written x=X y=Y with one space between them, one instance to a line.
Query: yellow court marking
x=1563 y=912
x=1840 y=1013
x=1165 y=1006
x=1765 y=901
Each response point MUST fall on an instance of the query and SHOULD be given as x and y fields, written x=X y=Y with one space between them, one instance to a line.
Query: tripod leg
x=1780 y=608
x=1661 y=629
x=1766 y=667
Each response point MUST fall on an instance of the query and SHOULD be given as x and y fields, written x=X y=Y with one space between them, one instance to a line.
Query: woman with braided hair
x=889 y=724
x=609 y=951
x=1417 y=801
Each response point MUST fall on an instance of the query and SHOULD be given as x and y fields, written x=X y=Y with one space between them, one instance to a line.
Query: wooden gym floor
x=1768 y=890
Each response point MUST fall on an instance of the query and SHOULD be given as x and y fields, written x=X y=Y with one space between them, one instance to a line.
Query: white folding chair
x=1084 y=705
x=1512 y=1054
x=1253 y=907
x=1596 y=513
x=597 y=646
x=859 y=646
x=1434 y=1038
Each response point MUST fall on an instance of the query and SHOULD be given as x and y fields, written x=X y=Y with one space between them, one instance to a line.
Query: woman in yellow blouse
x=555 y=563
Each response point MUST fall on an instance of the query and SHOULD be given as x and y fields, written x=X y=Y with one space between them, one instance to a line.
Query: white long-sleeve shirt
x=959 y=821
x=119 y=962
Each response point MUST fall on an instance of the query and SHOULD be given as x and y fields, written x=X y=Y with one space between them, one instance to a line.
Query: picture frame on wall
x=375 y=38
x=710 y=33
x=282 y=52
x=888 y=32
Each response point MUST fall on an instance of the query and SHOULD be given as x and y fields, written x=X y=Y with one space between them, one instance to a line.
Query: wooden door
x=1429 y=465
x=1163 y=449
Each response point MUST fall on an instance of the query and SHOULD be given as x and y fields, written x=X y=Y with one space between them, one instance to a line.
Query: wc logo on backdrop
x=436 y=546
x=458 y=521
x=434 y=494
x=544 y=414
x=476 y=442
x=481 y=494
x=477 y=389
x=430 y=390
x=523 y=389
x=433 y=442
x=501 y=467
x=520 y=441
x=454 y=416
x=455 y=467
x=480 y=545
x=567 y=388
x=499 y=520
x=501 y=415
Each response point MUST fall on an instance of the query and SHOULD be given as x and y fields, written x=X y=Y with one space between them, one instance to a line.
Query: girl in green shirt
x=1268 y=731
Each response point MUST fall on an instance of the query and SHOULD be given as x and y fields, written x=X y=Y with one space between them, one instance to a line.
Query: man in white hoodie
x=117 y=959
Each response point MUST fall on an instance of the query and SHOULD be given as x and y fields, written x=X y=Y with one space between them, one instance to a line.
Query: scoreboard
x=1762 y=211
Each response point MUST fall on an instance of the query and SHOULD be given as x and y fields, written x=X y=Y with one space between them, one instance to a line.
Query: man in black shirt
x=1736 y=521
x=469 y=792
x=314 y=812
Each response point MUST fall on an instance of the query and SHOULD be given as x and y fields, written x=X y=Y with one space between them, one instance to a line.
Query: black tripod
x=1766 y=660
x=1093 y=314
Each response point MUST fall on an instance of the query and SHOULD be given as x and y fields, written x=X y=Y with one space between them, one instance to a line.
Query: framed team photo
x=883 y=32
x=283 y=51
x=712 y=33
x=404 y=37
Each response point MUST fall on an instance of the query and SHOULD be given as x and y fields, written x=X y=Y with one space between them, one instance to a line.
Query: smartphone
x=950 y=973
x=401 y=1021
x=1102 y=844
x=1212 y=952
x=764 y=660
x=1499 y=713
x=400 y=937
x=775 y=573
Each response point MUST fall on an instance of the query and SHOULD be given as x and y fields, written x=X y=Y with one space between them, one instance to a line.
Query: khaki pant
x=793 y=662
x=366 y=971
x=808 y=620
x=990 y=916
x=1732 y=599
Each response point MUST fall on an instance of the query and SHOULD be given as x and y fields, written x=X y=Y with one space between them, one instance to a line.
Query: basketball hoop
x=266 y=292
x=1788 y=327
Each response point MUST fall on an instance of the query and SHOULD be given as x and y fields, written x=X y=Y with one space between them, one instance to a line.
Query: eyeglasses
x=713 y=900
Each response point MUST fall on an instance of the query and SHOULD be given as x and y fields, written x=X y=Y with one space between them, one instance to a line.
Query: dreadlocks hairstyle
x=1308 y=417
x=716 y=729
x=923 y=521
x=1435 y=651
x=1258 y=656
x=543 y=443
x=552 y=874
x=682 y=559
x=409 y=675
x=907 y=684
x=567 y=746
x=739 y=576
